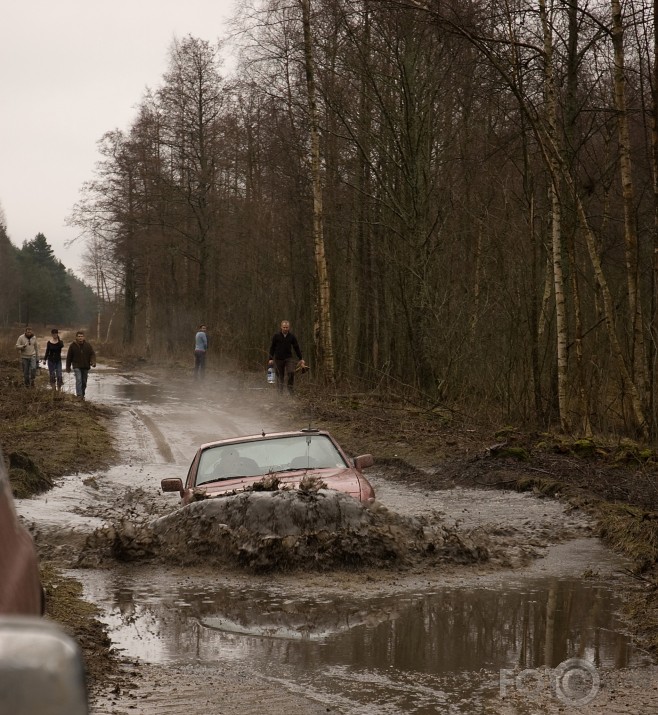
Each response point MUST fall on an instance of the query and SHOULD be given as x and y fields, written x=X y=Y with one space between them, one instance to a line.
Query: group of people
x=80 y=358
x=281 y=357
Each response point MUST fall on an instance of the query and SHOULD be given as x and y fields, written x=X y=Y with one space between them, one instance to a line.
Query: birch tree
x=323 y=337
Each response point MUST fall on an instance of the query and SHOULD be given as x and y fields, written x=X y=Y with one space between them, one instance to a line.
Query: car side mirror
x=172 y=484
x=363 y=461
x=41 y=669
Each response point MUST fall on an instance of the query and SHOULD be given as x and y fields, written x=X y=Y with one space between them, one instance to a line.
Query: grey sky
x=70 y=70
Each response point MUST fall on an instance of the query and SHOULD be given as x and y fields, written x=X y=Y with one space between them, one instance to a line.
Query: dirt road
x=430 y=637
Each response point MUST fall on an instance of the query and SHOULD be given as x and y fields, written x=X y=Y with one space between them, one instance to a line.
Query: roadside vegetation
x=43 y=436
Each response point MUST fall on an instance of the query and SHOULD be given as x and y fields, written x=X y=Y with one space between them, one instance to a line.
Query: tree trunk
x=654 y=272
x=324 y=343
x=639 y=372
x=556 y=224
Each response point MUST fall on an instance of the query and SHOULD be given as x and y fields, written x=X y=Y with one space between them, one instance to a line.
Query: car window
x=246 y=459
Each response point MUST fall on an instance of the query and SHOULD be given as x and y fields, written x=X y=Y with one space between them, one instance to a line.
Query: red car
x=20 y=584
x=230 y=465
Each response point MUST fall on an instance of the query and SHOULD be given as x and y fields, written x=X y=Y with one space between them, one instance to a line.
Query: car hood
x=343 y=480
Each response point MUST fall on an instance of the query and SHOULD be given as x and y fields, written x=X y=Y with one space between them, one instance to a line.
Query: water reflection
x=114 y=387
x=415 y=653
x=541 y=623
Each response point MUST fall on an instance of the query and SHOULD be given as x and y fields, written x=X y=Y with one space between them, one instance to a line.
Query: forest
x=35 y=287
x=453 y=201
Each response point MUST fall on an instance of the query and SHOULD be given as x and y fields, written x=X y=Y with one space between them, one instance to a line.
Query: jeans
x=55 y=370
x=29 y=370
x=285 y=374
x=81 y=374
x=199 y=364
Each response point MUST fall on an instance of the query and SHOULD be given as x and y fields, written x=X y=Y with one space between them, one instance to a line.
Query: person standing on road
x=53 y=358
x=200 y=350
x=281 y=348
x=29 y=350
x=82 y=357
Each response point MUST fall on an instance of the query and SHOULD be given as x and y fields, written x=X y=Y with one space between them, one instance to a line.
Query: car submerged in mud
x=236 y=464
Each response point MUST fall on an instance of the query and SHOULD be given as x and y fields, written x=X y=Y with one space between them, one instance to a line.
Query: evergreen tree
x=9 y=279
x=47 y=295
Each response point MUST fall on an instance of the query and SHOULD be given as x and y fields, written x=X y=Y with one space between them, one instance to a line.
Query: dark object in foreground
x=41 y=669
x=233 y=465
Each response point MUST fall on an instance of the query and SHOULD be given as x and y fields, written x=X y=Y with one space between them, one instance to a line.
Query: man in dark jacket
x=82 y=357
x=283 y=343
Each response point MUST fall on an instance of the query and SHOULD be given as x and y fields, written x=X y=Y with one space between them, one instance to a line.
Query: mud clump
x=282 y=530
x=26 y=477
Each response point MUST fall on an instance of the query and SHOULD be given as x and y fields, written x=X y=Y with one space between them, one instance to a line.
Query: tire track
x=222 y=689
x=160 y=441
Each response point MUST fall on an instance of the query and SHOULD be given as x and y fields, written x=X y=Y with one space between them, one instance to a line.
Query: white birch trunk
x=628 y=194
x=324 y=343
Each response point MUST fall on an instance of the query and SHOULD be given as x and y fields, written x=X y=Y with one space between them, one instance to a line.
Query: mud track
x=417 y=539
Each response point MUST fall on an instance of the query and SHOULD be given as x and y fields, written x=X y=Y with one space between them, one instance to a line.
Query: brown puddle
x=408 y=653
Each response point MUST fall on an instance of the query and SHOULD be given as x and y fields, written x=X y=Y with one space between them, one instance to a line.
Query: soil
x=610 y=484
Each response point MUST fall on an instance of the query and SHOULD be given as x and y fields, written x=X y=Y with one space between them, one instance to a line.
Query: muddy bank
x=46 y=434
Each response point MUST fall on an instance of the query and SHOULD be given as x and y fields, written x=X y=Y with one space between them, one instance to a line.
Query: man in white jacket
x=29 y=350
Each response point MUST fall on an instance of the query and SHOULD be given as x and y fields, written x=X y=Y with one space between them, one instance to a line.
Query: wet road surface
x=344 y=643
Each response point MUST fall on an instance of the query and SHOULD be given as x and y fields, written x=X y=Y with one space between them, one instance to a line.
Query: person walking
x=53 y=358
x=281 y=349
x=82 y=357
x=29 y=350
x=200 y=350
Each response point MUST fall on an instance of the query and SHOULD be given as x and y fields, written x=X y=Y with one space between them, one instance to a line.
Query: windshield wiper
x=217 y=479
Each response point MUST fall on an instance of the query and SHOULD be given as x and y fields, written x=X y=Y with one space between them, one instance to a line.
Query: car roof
x=265 y=436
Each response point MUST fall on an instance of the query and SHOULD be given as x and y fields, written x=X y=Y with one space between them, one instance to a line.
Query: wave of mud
x=284 y=530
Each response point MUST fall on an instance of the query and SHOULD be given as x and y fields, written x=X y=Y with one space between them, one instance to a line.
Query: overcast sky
x=71 y=70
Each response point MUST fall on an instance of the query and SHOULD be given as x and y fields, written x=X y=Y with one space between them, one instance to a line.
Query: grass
x=79 y=618
x=45 y=434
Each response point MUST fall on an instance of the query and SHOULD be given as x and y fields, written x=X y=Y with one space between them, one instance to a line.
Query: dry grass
x=48 y=434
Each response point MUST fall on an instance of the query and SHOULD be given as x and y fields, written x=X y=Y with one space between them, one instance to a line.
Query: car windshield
x=259 y=457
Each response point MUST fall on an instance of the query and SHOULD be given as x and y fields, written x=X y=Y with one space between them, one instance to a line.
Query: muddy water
x=415 y=652
x=427 y=641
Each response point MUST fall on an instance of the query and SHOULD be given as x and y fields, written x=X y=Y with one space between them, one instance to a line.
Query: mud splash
x=284 y=530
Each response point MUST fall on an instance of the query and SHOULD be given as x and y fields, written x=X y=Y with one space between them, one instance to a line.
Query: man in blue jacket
x=200 y=350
